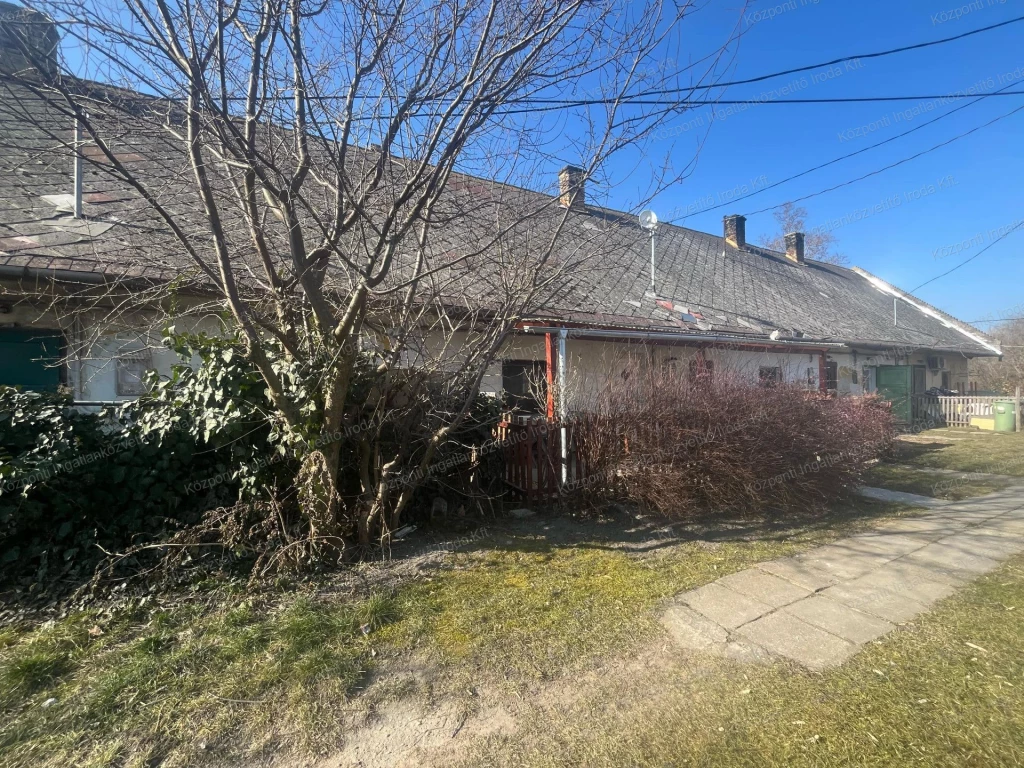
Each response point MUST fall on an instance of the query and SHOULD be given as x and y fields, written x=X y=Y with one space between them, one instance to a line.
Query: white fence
x=956 y=410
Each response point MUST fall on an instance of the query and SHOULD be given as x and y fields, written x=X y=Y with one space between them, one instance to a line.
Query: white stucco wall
x=94 y=344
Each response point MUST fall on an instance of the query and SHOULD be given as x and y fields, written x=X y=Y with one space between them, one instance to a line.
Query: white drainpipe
x=562 y=334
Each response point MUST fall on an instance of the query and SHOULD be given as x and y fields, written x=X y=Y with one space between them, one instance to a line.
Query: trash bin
x=1002 y=412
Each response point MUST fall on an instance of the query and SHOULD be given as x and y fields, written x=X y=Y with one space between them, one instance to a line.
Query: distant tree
x=818 y=244
x=1006 y=374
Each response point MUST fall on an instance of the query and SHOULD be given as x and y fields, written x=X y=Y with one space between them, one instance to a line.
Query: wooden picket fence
x=532 y=449
x=952 y=410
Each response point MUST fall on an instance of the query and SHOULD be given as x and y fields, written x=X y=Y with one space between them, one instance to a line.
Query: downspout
x=562 y=334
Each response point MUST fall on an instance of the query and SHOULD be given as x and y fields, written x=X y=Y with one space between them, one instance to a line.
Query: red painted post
x=549 y=351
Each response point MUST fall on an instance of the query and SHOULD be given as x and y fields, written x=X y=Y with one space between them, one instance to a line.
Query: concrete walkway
x=818 y=608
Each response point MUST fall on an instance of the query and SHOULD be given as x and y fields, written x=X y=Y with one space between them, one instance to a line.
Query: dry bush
x=719 y=442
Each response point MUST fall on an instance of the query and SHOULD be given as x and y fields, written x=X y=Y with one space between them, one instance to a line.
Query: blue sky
x=929 y=213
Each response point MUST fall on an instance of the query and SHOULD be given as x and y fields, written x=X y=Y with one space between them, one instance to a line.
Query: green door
x=894 y=383
x=30 y=358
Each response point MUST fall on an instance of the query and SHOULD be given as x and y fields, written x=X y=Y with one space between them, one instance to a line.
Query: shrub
x=719 y=442
x=74 y=484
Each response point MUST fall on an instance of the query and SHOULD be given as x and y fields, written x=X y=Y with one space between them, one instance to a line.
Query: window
x=945 y=379
x=131 y=372
x=769 y=376
x=812 y=381
x=525 y=384
x=701 y=369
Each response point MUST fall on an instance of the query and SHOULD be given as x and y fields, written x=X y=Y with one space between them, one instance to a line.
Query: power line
x=972 y=258
x=842 y=60
x=996 y=320
x=732 y=203
x=630 y=101
x=897 y=163
x=727 y=84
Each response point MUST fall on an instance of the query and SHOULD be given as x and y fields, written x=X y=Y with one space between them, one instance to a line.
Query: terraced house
x=73 y=237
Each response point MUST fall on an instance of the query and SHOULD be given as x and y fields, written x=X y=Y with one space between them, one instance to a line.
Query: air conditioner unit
x=936 y=363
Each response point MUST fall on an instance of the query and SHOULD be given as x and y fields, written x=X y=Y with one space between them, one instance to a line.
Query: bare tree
x=316 y=168
x=819 y=243
x=1004 y=374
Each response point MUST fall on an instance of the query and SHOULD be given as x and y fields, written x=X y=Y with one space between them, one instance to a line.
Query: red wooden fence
x=533 y=456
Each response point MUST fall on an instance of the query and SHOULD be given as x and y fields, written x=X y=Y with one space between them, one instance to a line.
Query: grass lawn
x=939 y=486
x=947 y=690
x=966 y=450
x=222 y=676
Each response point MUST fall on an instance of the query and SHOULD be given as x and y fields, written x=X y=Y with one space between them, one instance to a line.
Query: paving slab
x=788 y=636
x=839 y=619
x=924 y=526
x=723 y=606
x=923 y=589
x=952 y=559
x=843 y=562
x=917 y=571
x=691 y=630
x=893 y=543
x=800 y=573
x=764 y=587
x=877 y=601
x=899 y=497
x=983 y=545
x=817 y=608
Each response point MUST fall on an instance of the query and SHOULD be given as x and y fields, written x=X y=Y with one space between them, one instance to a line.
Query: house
x=75 y=240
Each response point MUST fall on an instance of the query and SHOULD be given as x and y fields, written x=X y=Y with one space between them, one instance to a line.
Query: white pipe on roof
x=884 y=287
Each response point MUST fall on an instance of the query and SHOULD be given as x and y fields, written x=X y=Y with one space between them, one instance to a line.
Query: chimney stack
x=28 y=43
x=795 y=247
x=571 y=189
x=735 y=230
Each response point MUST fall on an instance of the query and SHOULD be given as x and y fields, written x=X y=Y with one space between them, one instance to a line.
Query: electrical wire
x=842 y=60
x=732 y=203
x=893 y=165
x=972 y=258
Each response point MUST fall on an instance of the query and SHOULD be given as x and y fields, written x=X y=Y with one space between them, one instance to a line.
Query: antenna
x=78 y=168
x=649 y=221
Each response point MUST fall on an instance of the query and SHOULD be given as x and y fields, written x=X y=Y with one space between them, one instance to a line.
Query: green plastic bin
x=1002 y=412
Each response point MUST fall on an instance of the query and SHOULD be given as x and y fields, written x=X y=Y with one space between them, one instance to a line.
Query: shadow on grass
x=633 y=533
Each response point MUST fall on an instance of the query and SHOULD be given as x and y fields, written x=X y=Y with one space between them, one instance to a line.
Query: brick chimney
x=795 y=247
x=735 y=230
x=28 y=43
x=571 y=189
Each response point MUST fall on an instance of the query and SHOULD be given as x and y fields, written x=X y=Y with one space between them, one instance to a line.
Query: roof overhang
x=728 y=341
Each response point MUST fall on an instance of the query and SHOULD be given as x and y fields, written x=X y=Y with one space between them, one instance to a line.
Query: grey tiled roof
x=703 y=285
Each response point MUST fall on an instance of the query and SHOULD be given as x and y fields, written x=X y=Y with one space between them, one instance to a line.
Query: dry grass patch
x=947 y=690
x=939 y=486
x=223 y=678
x=965 y=450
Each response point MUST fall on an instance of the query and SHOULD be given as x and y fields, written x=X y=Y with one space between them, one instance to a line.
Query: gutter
x=62 y=275
x=603 y=333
